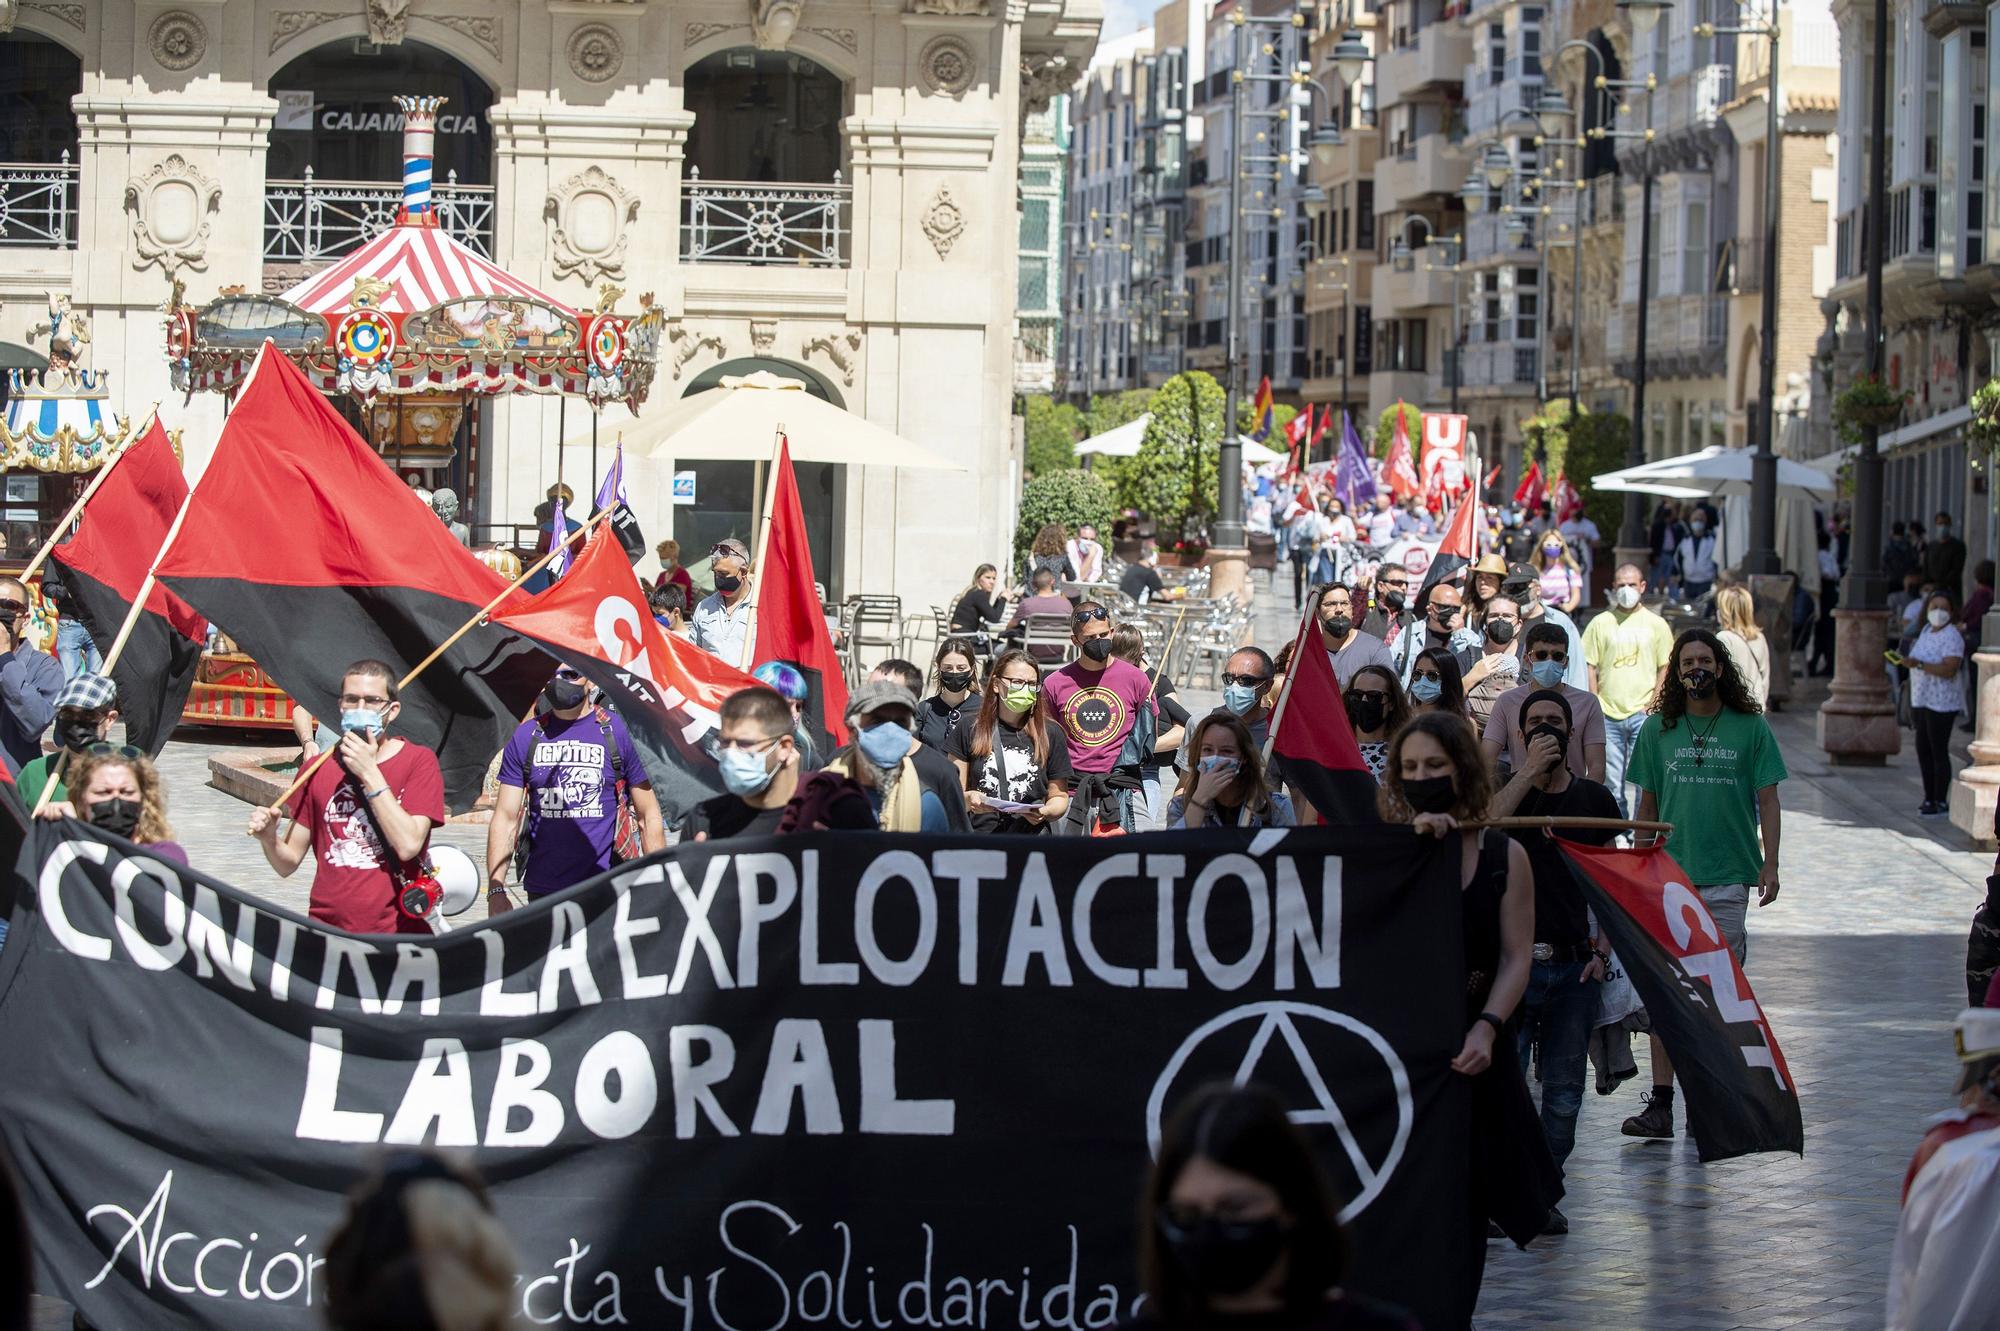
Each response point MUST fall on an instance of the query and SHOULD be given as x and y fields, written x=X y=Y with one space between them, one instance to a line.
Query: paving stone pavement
x=1859 y=965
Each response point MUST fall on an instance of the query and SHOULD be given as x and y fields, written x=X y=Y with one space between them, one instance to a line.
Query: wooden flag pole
x=305 y=773
x=769 y=497
x=1620 y=824
x=103 y=472
x=117 y=647
x=1167 y=654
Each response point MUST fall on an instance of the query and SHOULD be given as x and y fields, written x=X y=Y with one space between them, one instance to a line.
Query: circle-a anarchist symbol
x=1281 y=1045
x=607 y=344
x=1094 y=717
x=366 y=337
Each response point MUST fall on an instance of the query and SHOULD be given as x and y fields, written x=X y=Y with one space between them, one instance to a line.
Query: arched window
x=764 y=116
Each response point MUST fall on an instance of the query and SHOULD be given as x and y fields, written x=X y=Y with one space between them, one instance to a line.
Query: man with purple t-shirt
x=559 y=781
x=1099 y=701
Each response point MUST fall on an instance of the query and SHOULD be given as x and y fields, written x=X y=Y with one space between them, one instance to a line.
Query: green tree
x=1050 y=430
x=1580 y=448
x=1068 y=498
x=1108 y=411
x=1385 y=429
x=1173 y=476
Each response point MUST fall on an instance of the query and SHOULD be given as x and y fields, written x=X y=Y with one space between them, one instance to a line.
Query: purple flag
x=612 y=492
x=558 y=536
x=1353 y=481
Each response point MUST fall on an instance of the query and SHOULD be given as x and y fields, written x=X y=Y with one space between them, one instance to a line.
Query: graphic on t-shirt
x=574 y=775
x=1094 y=717
x=351 y=842
x=1014 y=768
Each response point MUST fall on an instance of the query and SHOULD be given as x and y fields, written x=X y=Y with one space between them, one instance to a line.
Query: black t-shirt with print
x=728 y=816
x=1010 y=772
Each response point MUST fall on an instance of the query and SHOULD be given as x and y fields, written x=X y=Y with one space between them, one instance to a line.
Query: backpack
x=625 y=844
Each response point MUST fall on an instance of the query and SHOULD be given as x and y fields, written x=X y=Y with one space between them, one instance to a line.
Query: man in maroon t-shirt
x=373 y=789
x=1098 y=700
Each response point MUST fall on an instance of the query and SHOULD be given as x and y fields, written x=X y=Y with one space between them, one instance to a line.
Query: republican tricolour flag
x=1261 y=412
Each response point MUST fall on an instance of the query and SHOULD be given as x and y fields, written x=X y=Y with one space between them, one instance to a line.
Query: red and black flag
x=790 y=625
x=101 y=570
x=1741 y=1097
x=305 y=548
x=667 y=690
x=1313 y=739
x=1455 y=552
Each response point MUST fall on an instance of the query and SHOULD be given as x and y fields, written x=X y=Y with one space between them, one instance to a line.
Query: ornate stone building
x=822 y=189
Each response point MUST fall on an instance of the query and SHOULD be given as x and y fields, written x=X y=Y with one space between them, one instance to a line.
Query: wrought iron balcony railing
x=742 y=221
x=314 y=221
x=38 y=204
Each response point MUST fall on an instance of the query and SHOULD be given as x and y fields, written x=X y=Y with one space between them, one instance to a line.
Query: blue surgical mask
x=361 y=718
x=885 y=745
x=1425 y=689
x=743 y=772
x=1239 y=698
x=1548 y=674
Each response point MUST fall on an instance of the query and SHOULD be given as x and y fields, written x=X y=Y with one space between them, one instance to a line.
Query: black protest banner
x=1740 y=1095
x=846 y=1079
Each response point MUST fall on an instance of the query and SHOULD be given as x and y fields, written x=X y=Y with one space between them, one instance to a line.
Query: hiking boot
x=1655 y=1120
x=1557 y=1223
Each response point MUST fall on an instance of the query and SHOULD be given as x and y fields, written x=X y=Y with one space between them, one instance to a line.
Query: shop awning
x=1928 y=428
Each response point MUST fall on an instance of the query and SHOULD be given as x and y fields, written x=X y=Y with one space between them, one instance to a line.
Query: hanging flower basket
x=1868 y=402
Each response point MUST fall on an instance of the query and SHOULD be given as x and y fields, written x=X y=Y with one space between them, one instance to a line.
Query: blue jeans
x=76 y=649
x=1619 y=737
x=1557 y=1013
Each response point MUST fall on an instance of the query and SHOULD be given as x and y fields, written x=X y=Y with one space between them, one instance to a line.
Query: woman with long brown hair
x=1012 y=758
x=1050 y=551
x=1376 y=708
x=1225 y=784
x=1437 y=779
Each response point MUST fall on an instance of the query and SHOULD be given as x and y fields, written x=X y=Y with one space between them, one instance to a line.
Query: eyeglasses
x=1248 y=681
x=1095 y=612
x=104 y=749
x=1031 y=685
x=363 y=700
x=719 y=745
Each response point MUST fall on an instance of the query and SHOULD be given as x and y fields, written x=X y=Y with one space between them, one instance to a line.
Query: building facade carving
x=591 y=215
x=843 y=349
x=947 y=66
x=388 y=21
x=595 y=53
x=943 y=221
x=177 y=39
x=171 y=206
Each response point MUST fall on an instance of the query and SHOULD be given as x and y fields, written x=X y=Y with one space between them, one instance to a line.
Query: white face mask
x=1624 y=597
x=1939 y=618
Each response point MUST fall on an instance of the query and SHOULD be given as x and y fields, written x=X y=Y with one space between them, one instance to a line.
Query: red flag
x=1531 y=491
x=1566 y=501
x=667 y=690
x=1299 y=428
x=1443 y=462
x=1311 y=734
x=1491 y=477
x=100 y=572
x=1398 y=470
x=305 y=548
x=791 y=626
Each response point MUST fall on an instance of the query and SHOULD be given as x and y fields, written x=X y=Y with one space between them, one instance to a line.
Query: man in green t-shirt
x=1704 y=762
x=85 y=711
x=1626 y=649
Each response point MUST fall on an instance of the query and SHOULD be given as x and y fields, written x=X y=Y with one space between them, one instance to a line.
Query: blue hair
x=783 y=678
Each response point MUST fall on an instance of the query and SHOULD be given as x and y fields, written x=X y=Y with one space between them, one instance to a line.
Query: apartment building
x=1340 y=259
x=1038 y=300
x=1101 y=351
x=1941 y=260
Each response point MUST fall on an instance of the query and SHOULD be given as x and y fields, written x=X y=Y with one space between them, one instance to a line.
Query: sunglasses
x=1085 y=616
x=1427 y=674
x=12 y=608
x=1248 y=681
x=104 y=748
x=1372 y=695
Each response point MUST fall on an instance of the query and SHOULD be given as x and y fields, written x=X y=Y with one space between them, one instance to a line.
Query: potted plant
x=1869 y=402
x=1983 y=430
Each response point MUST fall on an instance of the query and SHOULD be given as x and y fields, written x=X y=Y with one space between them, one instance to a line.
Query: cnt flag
x=668 y=691
x=305 y=548
x=1311 y=735
x=1261 y=412
x=1456 y=551
x=615 y=497
x=104 y=565
x=790 y=624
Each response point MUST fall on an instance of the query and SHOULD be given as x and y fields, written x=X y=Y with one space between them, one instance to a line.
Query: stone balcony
x=1397 y=295
x=1433 y=166
x=1434 y=61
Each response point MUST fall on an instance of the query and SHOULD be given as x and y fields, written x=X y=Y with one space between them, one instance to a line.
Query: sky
x=1125 y=16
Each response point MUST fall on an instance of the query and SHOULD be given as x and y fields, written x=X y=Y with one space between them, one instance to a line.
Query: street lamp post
x=1762 y=556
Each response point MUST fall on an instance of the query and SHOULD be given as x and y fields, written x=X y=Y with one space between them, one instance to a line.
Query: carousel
x=412 y=329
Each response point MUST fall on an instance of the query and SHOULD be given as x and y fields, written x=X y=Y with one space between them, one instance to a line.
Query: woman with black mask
x=1376 y=708
x=1437 y=779
x=954 y=697
x=116 y=787
x=1238 y=1229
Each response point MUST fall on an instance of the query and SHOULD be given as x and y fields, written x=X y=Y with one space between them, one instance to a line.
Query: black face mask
x=1392 y=598
x=727 y=583
x=1366 y=713
x=118 y=817
x=1338 y=625
x=1500 y=631
x=1698 y=683
x=1431 y=794
x=955 y=681
x=563 y=694
x=1224 y=1256
x=77 y=736
x=1098 y=649
x=1554 y=732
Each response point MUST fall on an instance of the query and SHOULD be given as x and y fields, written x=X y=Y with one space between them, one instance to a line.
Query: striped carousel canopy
x=418 y=267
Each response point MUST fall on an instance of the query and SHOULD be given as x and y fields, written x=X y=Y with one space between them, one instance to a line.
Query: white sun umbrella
x=1120 y=441
x=1257 y=454
x=1725 y=472
x=1640 y=480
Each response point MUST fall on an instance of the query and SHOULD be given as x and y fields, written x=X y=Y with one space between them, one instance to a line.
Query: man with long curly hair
x=1704 y=760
